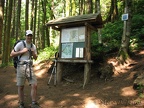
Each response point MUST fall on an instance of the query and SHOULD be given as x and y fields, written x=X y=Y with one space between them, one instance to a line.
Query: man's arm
x=34 y=52
x=34 y=55
x=17 y=53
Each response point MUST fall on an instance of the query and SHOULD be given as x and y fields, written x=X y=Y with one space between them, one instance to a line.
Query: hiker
x=24 y=70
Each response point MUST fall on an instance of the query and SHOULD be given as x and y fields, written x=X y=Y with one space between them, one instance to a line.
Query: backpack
x=17 y=58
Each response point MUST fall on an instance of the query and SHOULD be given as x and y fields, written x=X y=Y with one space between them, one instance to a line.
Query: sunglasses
x=29 y=35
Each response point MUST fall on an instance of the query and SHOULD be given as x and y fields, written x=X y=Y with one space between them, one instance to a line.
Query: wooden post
x=59 y=64
x=87 y=71
x=59 y=72
x=87 y=67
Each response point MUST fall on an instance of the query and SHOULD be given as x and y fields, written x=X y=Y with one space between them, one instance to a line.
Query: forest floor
x=116 y=92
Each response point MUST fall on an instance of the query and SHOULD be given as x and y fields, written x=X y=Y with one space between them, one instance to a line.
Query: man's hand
x=33 y=53
x=24 y=50
x=14 y=54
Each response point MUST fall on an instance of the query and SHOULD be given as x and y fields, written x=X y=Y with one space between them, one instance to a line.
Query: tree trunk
x=35 y=19
x=4 y=33
x=97 y=6
x=47 y=37
x=73 y=12
x=113 y=13
x=1 y=23
x=89 y=6
x=7 y=36
x=81 y=10
x=26 y=15
x=14 y=19
x=32 y=15
x=38 y=43
x=67 y=8
x=18 y=25
x=124 y=50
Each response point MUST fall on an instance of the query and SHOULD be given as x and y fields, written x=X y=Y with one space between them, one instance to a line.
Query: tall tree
x=38 y=43
x=124 y=50
x=43 y=23
x=81 y=7
x=89 y=8
x=1 y=23
x=67 y=8
x=27 y=15
x=32 y=15
x=6 y=53
x=4 y=29
x=113 y=13
x=97 y=6
x=13 y=19
x=35 y=19
x=97 y=10
x=18 y=25
x=73 y=7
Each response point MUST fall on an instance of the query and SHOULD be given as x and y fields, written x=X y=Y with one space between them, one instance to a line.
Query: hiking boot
x=35 y=105
x=21 y=105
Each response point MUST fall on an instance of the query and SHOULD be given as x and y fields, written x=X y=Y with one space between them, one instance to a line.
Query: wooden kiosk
x=75 y=42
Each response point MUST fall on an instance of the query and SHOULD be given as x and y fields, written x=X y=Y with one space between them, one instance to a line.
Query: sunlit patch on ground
x=107 y=88
x=128 y=91
x=49 y=104
x=41 y=72
x=11 y=100
x=10 y=97
x=90 y=103
x=76 y=94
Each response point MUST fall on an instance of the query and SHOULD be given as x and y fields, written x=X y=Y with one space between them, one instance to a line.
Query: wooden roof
x=73 y=21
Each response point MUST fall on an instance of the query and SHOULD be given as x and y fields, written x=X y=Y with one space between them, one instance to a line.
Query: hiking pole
x=53 y=74
x=30 y=63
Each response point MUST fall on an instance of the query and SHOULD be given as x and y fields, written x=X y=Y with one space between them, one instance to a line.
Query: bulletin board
x=73 y=42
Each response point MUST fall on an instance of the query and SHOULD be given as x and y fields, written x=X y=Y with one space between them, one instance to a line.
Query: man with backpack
x=25 y=51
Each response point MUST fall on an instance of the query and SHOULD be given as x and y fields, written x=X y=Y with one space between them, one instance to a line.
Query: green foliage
x=3 y=65
x=111 y=38
x=105 y=7
x=140 y=89
x=137 y=22
x=138 y=6
x=112 y=33
x=137 y=33
x=47 y=53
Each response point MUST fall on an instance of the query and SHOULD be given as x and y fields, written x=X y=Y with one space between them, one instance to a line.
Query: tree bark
x=67 y=8
x=97 y=6
x=43 y=22
x=6 y=53
x=26 y=15
x=124 y=49
x=1 y=23
x=81 y=12
x=35 y=19
x=113 y=13
x=89 y=7
x=18 y=25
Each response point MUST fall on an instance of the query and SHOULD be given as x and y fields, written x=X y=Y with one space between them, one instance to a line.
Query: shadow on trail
x=98 y=93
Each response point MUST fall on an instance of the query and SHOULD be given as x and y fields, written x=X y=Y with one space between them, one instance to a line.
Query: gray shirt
x=26 y=56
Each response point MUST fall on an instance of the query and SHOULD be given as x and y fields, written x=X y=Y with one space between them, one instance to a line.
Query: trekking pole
x=54 y=70
x=53 y=73
x=30 y=64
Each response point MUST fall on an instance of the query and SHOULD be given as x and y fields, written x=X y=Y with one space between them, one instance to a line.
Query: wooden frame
x=90 y=22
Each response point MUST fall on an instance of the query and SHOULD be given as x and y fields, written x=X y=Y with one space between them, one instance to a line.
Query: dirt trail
x=115 y=93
